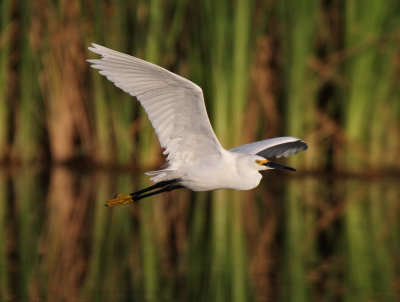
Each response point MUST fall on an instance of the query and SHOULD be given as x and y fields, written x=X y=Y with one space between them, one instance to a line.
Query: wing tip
x=92 y=61
x=303 y=144
x=94 y=47
x=100 y=50
x=285 y=149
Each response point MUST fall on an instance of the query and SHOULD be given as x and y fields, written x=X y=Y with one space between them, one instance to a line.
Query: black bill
x=278 y=166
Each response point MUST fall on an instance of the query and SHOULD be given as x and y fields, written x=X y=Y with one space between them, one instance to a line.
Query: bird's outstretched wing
x=274 y=147
x=175 y=105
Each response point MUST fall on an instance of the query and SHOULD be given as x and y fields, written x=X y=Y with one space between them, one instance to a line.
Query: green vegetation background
x=325 y=71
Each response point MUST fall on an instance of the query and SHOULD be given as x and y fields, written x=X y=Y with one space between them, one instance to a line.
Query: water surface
x=294 y=238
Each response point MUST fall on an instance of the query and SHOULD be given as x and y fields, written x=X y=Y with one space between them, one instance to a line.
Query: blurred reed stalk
x=122 y=106
x=63 y=59
x=63 y=246
x=369 y=106
x=5 y=267
x=5 y=31
x=300 y=85
x=299 y=237
x=28 y=224
x=27 y=133
x=61 y=111
x=367 y=269
x=99 y=105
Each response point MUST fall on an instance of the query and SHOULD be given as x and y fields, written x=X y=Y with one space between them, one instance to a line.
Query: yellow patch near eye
x=261 y=162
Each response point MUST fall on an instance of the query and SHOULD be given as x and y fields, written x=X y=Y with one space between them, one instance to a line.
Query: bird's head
x=260 y=163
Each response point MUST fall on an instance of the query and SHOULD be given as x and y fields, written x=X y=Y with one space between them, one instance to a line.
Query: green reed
x=369 y=268
x=370 y=30
x=27 y=132
x=5 y=29
x=123 y=107
x=27 y=226
x=296 y=245
x=300 y=85
x=101 y=101
x=4 y=272
x=214 y=44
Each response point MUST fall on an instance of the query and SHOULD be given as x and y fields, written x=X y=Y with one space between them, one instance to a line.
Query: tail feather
x=163 y=175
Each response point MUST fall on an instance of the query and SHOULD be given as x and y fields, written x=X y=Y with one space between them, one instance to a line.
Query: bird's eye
x=258 y=162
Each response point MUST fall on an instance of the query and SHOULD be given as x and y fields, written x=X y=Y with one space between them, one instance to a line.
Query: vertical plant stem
x=365 y=23
x=4 y=271
x=5 y=28
x=299 y=21
x=121 y=104
x=28 y=199
x=28 y=130
x=294 y=261
x=357 y=232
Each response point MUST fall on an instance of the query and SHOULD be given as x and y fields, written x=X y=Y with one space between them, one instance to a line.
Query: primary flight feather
x=176 y=109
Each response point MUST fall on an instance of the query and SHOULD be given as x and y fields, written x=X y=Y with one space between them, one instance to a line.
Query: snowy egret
x=176 y=109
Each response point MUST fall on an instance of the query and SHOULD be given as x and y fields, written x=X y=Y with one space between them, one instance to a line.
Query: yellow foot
x=119 y=199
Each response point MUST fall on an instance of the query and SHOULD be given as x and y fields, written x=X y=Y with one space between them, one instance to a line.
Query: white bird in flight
x=176 y=109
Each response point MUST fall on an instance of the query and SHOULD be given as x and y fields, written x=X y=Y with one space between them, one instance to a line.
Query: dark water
x=303 y=238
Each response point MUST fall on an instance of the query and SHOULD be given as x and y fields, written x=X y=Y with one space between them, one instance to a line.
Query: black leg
x=165 y=189
x=155 y=186
x=121 y=199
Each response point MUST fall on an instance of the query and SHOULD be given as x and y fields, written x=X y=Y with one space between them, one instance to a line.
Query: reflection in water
x=301 y=239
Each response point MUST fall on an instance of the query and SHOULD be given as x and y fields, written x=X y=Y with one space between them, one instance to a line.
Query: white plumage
x=176 y=110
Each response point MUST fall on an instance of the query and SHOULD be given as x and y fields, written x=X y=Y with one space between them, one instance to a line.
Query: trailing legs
x=121 y=199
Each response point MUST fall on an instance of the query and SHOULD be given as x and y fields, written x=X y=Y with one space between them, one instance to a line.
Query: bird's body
x=176 y=109
x=226 y=171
